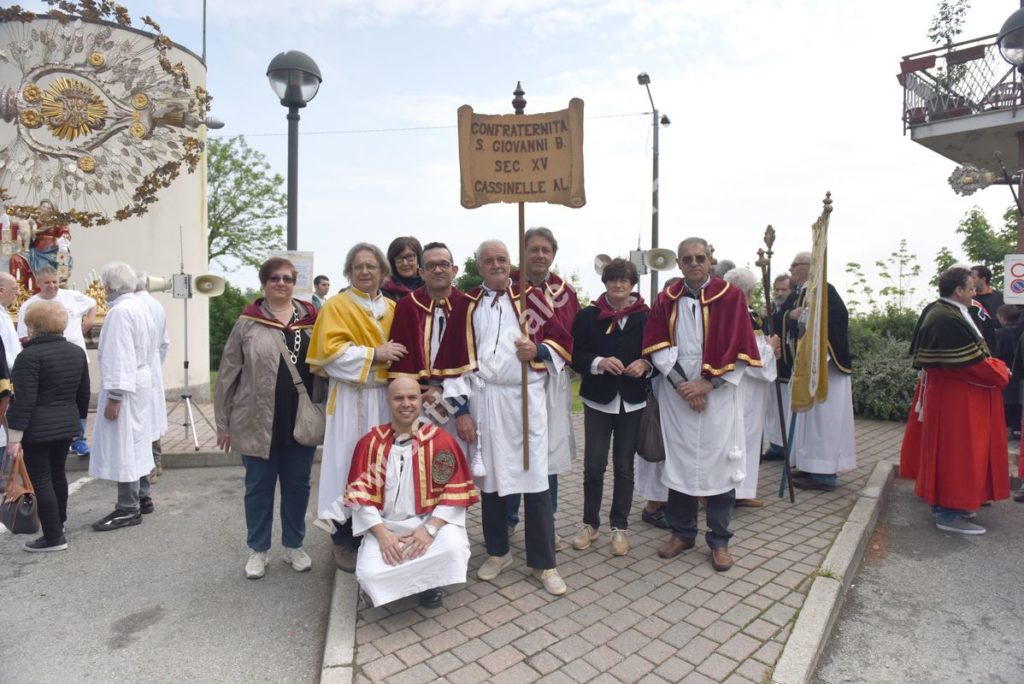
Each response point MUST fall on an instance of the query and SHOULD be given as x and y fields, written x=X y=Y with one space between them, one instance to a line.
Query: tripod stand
x=182 y=289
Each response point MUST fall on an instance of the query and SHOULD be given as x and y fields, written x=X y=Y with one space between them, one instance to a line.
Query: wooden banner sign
x=522 y=158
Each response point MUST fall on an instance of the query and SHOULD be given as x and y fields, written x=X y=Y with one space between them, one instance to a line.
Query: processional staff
x=764 y=262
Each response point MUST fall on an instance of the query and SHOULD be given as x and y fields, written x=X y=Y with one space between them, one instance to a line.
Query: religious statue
x=36 y=244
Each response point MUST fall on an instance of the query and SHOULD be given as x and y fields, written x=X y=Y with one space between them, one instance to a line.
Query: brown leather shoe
x=721 y=560
x=674 y=546
x=749 y=503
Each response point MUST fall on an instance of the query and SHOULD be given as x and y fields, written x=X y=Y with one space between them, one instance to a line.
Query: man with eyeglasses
x=823 y=443
x=781 y=290
x=698 y=335
x=421 y=321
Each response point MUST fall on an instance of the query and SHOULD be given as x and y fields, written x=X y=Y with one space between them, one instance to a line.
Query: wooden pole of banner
x=764 y=261
x=519 y=105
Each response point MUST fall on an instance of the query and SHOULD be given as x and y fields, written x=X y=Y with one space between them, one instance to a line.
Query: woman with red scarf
x=405 y=256
x=607 y=344
x=256 y=401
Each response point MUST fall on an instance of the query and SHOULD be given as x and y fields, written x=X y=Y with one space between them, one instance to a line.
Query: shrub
x=883 y=379
x=224 y=311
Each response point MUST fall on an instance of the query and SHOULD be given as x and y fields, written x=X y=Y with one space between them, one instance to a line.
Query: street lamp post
x=295 y=79
x=645 y=80
x=1011 y=47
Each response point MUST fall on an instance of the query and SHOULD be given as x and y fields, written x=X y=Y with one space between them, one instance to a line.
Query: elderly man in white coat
x=123 y=433
x=756 y=390
x=698 y=336
x=158 y=408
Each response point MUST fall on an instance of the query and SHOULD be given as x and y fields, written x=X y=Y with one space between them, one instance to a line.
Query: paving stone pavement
x=634 y=618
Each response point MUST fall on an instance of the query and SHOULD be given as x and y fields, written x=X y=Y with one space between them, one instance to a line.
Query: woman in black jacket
x=607 y=345
x=51 y=385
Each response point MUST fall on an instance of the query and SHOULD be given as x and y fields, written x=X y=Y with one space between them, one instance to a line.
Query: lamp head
x=294 y=77
x=643 y=79
x=1011 y=39
x=665 y=121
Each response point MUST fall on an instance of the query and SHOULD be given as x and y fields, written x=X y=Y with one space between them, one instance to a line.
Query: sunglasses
x=697 y=258
x=288 y=280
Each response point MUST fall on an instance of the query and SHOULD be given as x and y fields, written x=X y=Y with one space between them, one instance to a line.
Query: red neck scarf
x=636 y=305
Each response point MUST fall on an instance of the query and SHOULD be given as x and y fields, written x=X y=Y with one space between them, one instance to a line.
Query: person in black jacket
x=607 y=344
x=51 y=379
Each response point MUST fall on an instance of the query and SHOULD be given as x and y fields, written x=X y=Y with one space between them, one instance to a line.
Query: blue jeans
x=946 y=515
x=291 y=465
x=512 y=501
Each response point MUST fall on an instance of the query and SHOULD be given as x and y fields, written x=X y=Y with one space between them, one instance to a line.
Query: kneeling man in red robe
x=955 y=442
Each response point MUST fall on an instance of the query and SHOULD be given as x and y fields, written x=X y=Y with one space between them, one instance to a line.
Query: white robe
x=561 y=436
x=703 y=451
x=824 y=439
x=445 y=561
x=772 y=425
x=495 y=402
x=12 y=347
x=756 y=391
x=76 y=303
x=159 y=404
x=353 y=408
x=122 y=449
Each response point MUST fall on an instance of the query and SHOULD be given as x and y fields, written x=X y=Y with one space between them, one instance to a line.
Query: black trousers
x=342 y=535
x=598 y=428
x=681 y=516
x=45 y=464
x=540 y=527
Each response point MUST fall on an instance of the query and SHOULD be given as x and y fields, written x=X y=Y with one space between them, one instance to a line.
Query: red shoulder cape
x=413 y=326
x=440 y=476
x=457 y=355
x=728 y=337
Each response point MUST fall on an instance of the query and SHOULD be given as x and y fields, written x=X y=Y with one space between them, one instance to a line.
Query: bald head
x=405 y=401
x=8 y=289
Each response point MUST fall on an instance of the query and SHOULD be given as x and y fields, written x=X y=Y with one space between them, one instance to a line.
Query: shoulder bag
x=311 y=417
x=18 y=507
x=649 y=443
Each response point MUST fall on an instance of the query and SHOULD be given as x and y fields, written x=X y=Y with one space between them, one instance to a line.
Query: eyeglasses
x=359 y=268
x=799 y=263
x=437 y=266
x=287 y=280
x=695 y=258
x=407 y=258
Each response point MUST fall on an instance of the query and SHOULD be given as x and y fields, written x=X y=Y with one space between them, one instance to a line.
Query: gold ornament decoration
x=32 y=93
x=140 y=100
x=97 y=59
x=30 y=119
x=137 y=130
x=71 y=108
x=87 y=163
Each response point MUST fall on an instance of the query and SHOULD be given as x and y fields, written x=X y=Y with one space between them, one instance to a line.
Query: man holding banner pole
x=815 y=326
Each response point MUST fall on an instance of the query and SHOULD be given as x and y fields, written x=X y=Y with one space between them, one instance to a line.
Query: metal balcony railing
x=965 y=79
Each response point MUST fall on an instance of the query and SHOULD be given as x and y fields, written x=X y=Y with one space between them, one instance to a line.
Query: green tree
x=897 y=274
x=244 y=204
x=224 y=311
x=861 y=285
x=943 y=260
x=470 y=276
x=948 y=21
x=986 y=245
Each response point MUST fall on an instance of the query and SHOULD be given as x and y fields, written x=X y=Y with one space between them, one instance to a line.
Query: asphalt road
x=165 y=601
x=933 y=607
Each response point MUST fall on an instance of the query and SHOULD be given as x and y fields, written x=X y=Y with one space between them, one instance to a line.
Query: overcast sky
x=772 y=103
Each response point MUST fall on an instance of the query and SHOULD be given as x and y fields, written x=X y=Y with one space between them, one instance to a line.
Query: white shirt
x=75 y=303
x=965 y=312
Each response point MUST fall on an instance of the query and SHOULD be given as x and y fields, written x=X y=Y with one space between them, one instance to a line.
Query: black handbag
x=18 y=507
x=649 y=443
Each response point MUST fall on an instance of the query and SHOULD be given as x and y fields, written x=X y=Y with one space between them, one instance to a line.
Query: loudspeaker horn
x=157 y=284
x=600 y=261
x=209 y=285
x=660 y=259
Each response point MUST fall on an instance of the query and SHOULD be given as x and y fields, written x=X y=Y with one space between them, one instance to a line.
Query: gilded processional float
x=95 y=120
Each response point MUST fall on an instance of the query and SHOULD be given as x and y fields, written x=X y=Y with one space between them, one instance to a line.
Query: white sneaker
x=493 y=566
x=299 y=559
x=256 y=566
x=552 y=581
